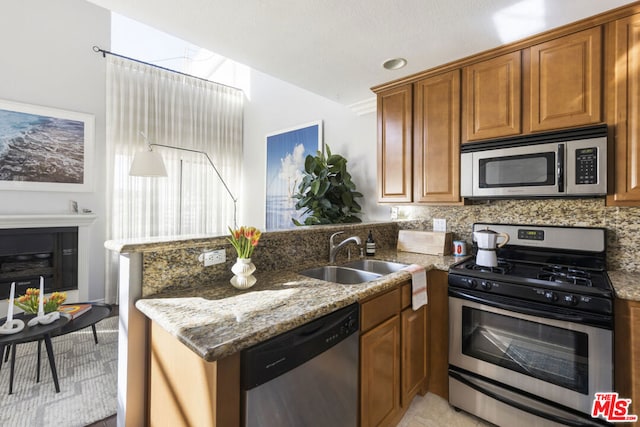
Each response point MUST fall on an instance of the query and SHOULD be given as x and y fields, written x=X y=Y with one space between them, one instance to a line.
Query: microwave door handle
x=560 y=168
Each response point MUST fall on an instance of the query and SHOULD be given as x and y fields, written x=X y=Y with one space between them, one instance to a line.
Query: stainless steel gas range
x=531 y=340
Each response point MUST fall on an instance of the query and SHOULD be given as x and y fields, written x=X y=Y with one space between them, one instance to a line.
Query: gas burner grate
x=502 y=268
x=559 y=274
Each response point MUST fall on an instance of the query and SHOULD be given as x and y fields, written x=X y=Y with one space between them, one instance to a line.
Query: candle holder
x=11 y=326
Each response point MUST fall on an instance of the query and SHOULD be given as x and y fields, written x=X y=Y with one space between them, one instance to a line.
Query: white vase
x=243 y=273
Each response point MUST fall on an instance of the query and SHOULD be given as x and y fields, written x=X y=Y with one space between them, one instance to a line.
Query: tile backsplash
x=622 y=223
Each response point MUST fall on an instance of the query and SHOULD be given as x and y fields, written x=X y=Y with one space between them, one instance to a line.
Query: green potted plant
x=326 y=192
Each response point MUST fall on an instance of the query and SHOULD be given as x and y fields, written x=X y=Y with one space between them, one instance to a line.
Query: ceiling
x=335 y=48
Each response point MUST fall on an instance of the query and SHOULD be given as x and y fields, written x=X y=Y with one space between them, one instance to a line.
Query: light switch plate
x=439 y=224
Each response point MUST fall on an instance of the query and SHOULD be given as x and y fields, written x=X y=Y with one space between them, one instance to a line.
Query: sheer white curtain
x=178 y=110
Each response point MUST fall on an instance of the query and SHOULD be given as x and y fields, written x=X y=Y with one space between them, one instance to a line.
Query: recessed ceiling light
x=394 y=64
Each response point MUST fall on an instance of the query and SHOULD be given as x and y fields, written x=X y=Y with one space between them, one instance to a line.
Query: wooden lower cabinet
x=380 y=374
x=414 y=352
x=627 y=352
x=186 y=390
x=393 y=356
x=438 y=331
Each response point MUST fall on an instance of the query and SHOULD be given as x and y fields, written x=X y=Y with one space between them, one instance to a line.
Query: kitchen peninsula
x=186 y=303
x=168 y=297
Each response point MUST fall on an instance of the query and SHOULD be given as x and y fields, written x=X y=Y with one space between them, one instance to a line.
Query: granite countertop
x=217 y=320
x=626 y=284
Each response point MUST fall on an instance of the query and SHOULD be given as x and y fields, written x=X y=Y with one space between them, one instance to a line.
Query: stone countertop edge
x=626 y=284
x=217 y=320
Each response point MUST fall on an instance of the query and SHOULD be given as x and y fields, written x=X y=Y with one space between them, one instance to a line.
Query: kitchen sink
x=359 y=271
x=376 y=266
x=342 y=275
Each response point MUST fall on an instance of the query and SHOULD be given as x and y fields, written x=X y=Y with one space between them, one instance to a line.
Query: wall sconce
x=149 y=163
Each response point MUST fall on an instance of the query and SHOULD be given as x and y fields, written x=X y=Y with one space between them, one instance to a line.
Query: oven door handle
x=519 y=405
x=513 y=305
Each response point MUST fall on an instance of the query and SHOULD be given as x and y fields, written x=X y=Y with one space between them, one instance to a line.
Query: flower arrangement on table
x=29 y=301
x=244 y=240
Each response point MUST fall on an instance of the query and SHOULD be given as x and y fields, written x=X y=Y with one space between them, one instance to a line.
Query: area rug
x=87 y=373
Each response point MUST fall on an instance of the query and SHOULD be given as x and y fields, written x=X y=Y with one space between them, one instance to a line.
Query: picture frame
x=45 y=149
x=286 y=153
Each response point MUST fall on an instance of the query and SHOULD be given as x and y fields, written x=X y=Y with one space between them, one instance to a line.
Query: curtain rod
x=104 y=53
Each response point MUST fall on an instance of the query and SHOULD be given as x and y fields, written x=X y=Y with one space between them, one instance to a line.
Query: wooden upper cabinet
x=564 y=81
x=623 y=43
x=492 y=103
x=436 y=140
x=394 y=144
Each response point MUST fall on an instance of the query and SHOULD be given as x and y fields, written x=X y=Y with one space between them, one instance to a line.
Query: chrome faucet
x=333 y=248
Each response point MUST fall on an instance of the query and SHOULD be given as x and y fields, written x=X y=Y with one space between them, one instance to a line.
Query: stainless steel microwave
x=570 y=163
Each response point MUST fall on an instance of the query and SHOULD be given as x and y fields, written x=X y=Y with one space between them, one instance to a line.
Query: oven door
x=558 y=360
x=530 y=170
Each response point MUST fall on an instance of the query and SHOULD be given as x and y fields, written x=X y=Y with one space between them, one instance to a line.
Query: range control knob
x=551 y=296
x=472 y=283
x=570 y=299
x=485 y=285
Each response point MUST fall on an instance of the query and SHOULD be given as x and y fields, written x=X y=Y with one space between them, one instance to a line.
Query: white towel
x=418 y=285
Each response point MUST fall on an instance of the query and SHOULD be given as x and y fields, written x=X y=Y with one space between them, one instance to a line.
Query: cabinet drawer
x=405 y=295
x=379 y=309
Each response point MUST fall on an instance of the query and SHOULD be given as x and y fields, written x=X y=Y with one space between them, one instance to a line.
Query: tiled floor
x=429 y=410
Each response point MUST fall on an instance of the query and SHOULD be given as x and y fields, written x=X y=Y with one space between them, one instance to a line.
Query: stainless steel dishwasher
x=305 y=377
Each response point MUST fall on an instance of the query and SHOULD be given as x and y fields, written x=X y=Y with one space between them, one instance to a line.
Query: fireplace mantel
x=46 y=220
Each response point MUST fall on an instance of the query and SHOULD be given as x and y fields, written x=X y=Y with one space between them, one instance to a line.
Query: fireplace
x=76 y=289
x=28 y=253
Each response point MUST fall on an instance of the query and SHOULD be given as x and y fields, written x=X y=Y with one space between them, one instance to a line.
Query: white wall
x=47 y=60
x=275 y=105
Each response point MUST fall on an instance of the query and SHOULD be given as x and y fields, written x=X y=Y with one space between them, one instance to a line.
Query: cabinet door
x=380 y=374
x=436 y=142
x=491 y=93
x=564 y=84
x=414 y=353
x=394 y=144
x=627 y=352
x=624 y=106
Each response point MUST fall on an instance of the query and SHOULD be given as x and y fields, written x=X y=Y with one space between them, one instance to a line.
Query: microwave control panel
x=587 y=165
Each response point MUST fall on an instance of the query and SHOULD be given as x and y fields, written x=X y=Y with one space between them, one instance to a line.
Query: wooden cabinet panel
x=565 y=79
x=438 y=330
x=375 y=310
x=414 y=353
x=623 y=61
x=380 y=374
x=394 y=144
x=491 y=91
x=436 y=141
x=627 y=352
x=185 y=390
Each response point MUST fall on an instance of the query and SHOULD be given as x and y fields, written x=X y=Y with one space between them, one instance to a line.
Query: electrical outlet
x=212 y=257
x=394 y=213
x=439 y=224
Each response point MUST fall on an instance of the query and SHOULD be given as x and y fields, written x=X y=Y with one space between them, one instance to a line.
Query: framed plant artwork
x=286 y=152
x=45 y=149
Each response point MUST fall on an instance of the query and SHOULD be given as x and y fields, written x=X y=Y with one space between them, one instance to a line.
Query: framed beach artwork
x=286 y=152
x=45 y=149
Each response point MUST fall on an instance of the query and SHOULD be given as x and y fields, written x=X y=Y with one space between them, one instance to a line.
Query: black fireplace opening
x=28 y=253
